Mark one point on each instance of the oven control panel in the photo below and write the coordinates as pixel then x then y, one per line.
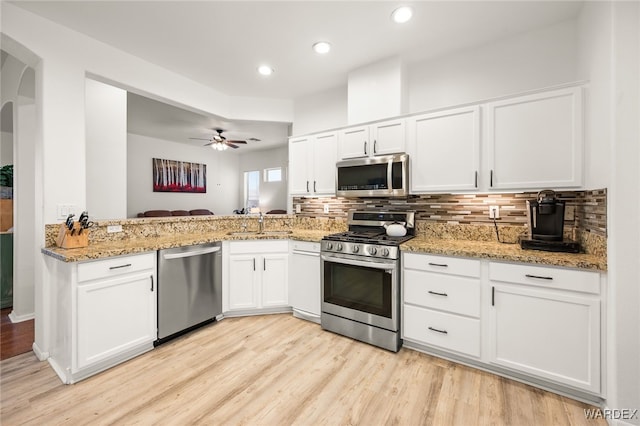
pixel 361 249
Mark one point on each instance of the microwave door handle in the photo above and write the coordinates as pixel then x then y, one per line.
pixel 352 262
pixel 390 176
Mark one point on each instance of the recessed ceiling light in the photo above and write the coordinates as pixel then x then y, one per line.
pixel 265 70
pixel 322 47
pixel 402 14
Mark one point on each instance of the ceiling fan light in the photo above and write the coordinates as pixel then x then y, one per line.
pixel 322 47
pixel 402 14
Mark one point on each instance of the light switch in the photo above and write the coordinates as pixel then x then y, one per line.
pixel 326 208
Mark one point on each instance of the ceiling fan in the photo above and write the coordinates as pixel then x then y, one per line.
pixel 220 143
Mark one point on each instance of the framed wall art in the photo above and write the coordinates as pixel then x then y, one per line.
pixel 179 176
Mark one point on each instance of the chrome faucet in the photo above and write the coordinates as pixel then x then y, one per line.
pixel 260 223
pixel 243 224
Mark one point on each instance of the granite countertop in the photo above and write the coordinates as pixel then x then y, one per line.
pixel 463 248
pixel 141 245
pixel 494 250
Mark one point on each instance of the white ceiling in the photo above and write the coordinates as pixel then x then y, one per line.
pixel 221 43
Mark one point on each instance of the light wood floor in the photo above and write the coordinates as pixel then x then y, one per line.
pixel 277 370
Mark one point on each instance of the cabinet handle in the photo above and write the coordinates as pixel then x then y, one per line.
pixel 438 331
pixel 375 142
pixel 442 265
pixel 264 264
pixel 314 186
pixel 254 263
pixel 493 296
pixel 121 266
pixel 538 277
pixel 365 147
pixel 438 294
pixel 307 186
pixel 491 178
pixel 151 276
pixel 476 181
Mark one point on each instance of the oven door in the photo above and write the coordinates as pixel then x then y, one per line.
pixel 361 290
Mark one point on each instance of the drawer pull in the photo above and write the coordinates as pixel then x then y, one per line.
pixel 538 277
pixel 121 266
pixel 442 265
pixel 438 294
pixel 438 331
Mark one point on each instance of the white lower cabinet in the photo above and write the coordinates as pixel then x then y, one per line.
pixel 104 313
pixel 533 321
pixel 257 277
pixel 542 326
pixel 441 301
pixel 304 280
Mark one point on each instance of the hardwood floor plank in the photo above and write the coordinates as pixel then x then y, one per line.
pixel 277 370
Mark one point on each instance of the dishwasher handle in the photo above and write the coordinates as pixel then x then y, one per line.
pixel 191 253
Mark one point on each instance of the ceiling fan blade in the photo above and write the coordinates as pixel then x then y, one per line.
pixel 237 141
pixel 231 145
pixel 254 139
pixel 201 139
pixel 209 144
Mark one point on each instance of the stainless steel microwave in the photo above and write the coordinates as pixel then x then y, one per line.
pixel 382 176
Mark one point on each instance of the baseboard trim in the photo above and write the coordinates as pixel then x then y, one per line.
pixel 20 318
pixel 41 355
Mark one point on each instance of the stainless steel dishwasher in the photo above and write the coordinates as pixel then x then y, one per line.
pixel 189 288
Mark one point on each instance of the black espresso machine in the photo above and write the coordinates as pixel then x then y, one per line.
pixel 546 225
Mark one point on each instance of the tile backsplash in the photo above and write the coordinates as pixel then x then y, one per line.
pixel 585 211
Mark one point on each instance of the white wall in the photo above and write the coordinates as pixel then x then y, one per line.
pixel 273 195
pixel 624 206
pixel 320 111
pixel 106 150
pixel 532 60
pixel 223 184
pixel 6 147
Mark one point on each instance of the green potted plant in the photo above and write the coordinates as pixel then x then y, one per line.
pixel 6 181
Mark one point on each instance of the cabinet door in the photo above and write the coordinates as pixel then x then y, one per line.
pixel 388 137
pixel 115 315
pixel 274 280
pixel 444 148
pixel 299 171
pixel 547 334
pixel 325 154
pixel 242 282
pixel 354 142
pixel 536 141
pixel 304 282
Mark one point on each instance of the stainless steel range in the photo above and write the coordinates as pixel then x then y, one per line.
pixel 361 278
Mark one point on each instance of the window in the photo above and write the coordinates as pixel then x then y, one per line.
pixel 252 189
pixel 273 175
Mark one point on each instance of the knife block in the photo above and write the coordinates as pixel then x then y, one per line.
pixel 67 241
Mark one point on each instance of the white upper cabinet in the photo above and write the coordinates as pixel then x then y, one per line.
pixel 312 164
pixel 535 141
pixel 444 150
pixel 385 137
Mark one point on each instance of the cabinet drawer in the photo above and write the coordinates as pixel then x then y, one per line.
pixel 442 264
pixel 447 331
pixel 115 266
pixel 254 246
pixel 443 292
pixel 305 246
pixel 562 279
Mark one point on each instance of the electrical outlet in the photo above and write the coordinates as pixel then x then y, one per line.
pixel 494 212
pixel 113 229
pixel 298 208
pixel 326 208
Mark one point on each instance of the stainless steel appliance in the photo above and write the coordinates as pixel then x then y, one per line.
pixel 546 224
pixel 360 276
pixel 381 176
pixel 189 288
